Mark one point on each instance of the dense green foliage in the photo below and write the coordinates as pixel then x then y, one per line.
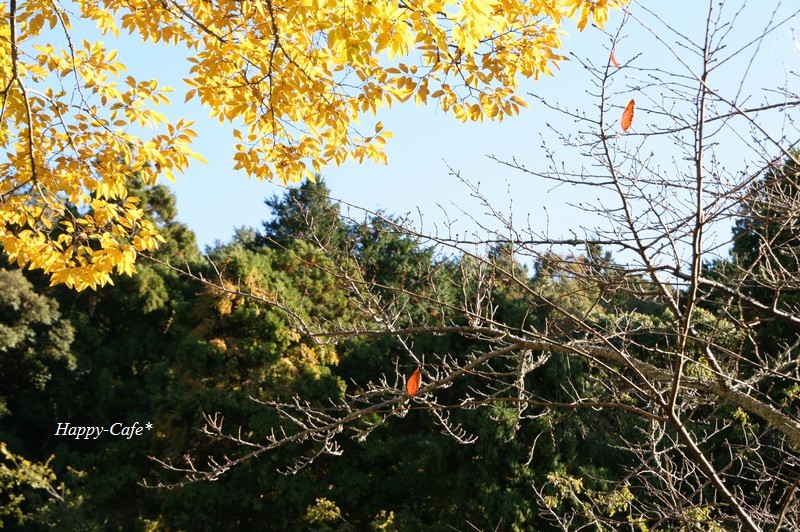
pixel 164 349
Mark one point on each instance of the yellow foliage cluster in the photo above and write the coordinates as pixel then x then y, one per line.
pixel 294 76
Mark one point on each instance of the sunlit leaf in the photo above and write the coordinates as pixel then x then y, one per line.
pixel 627 116
pixel 414 381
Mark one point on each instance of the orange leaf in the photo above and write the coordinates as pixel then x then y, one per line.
pixel 627 116
pixel 614 60
pixel 414 381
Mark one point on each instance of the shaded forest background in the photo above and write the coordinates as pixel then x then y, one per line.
pixel 161 348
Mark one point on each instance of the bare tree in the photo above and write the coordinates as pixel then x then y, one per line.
pixel 692 343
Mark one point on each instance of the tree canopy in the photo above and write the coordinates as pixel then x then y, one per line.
pixel 294 78
pixel 337 373
pixel 555 438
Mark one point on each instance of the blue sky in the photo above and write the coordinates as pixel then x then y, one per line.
pixel 213 199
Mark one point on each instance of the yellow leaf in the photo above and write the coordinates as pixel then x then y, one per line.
pixel 519 101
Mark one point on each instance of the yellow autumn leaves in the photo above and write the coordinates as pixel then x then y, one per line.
pixel 69 153
pixel 294 76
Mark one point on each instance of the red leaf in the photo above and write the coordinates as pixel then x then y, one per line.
pixel 614 60
pixel 627 116
pixel 412 386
